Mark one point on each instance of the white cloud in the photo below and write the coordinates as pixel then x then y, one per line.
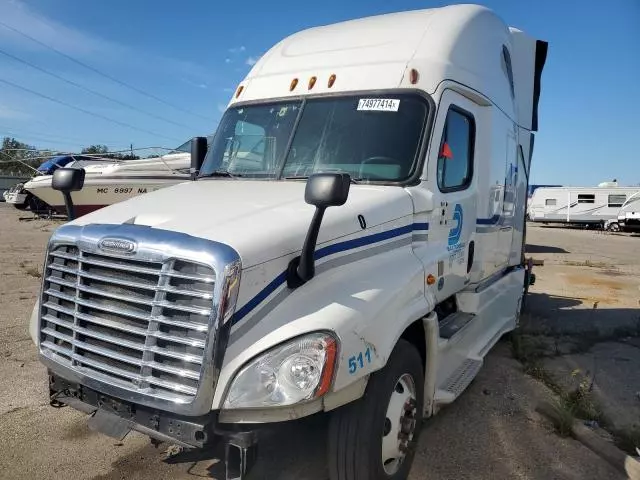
pixel 251 61
pixel 239 49
pixel 82 44
pixel 227 89
pixel 221 107
pixel 195 84
pixel 227 60
pixel 9 113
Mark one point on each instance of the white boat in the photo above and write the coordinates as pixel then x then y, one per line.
pixel 113 182
pixel 579 205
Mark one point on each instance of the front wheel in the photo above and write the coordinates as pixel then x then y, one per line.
pixel 375 438
pixel 613 227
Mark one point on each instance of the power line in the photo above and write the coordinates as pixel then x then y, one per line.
pixel 95 70
pixel 55 100
pixel 87 89
pixel 20 131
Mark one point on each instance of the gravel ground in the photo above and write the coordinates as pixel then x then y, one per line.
pixel 491 432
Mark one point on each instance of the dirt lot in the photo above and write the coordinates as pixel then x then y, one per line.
pixel 590 283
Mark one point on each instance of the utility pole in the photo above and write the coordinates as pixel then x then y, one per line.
pixel 132 149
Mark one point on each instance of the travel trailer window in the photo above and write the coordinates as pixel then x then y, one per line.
pixel 617 200
pixel 455 161
pixel 586 198
pixel 371 137
pixel 549 202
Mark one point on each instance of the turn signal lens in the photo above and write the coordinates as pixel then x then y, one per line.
pixel 293 84
pixel 239 91
pixel 431 279
pixel 332 80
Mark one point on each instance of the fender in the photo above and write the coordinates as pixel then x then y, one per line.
pixel 367 302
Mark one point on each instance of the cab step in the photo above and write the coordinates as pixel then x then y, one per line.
pixel 452 324
pixel 458 381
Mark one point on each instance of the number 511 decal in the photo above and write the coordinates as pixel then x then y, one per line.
pixel 358 361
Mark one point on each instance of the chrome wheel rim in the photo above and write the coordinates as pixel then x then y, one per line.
pixel 399 424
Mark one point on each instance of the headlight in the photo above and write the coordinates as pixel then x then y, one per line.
pixel 296 371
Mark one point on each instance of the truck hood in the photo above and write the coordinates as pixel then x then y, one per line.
pixel 261 220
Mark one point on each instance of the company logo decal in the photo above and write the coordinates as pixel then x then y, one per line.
pixel 117 245
pixel 456 231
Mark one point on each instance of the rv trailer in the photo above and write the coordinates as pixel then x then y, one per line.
pixel 629 215
pixel 587 206
pixel 362 261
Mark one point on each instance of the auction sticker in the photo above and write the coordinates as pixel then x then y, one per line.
pixel 379 104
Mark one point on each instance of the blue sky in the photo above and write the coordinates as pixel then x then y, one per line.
pixel 193 54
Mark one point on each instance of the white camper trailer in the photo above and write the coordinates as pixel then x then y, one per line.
pixel 361 261
pixel 628 217
pixel 579 205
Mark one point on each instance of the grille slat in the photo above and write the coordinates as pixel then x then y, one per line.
pixel 107 264
pixel 58 335
pixel 106 352
pixel 177 355
pixel 136 323
pixel 55 348
pixel 181 372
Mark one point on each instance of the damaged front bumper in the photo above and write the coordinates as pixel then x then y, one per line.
pixel 116 418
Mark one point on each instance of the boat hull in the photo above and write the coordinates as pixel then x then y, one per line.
pixel 100 193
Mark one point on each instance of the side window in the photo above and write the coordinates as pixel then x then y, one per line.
pixel 550 202
pixel 617 200
pixel 455 159
pixel 506 64
pixel 586 198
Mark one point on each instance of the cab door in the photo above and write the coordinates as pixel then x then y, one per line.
pixel 453 181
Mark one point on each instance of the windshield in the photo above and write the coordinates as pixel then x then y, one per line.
pixel 376 138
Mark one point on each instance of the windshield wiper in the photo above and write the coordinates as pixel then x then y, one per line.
pixel 220 173
pixel 306 177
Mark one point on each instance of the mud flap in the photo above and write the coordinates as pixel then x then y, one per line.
pixel 110 424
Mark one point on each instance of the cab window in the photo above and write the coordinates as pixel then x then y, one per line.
pixel 455 158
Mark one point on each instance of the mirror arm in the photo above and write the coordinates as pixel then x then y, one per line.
pixel 68 203
pixel 307 268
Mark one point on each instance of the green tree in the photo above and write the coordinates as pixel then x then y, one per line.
pixel 16 158
pixel 103 151
pixel 95 150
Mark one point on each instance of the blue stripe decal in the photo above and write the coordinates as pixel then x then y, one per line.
pixel 420 226
pixel 361 241
pixel 264 293
pixel 488 221
pixel 324 252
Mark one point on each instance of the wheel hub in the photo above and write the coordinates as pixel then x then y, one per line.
pixel 400 424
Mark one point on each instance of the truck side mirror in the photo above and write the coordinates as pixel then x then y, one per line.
pixel 198 152
pixel 67 180
pixel 327 189
pixel 323 190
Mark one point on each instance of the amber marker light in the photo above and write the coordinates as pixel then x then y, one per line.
pixel 312 82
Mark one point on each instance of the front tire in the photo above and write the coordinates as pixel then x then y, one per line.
pixel 375 437
pixel 613 227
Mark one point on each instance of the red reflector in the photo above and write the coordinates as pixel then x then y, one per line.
pixel 446 151
pixel 413 76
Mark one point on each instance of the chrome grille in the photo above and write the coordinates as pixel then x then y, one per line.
pixel 139 324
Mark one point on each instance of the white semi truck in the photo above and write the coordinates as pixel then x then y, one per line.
pixel 352 243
